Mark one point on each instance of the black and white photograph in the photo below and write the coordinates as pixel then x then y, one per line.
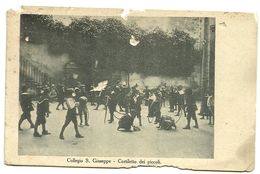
pixel 111 86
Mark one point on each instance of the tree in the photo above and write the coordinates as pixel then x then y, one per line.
pixel 106 41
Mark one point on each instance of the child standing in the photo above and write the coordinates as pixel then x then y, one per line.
pixel 191 109
pixel 42 112
pixel 71 115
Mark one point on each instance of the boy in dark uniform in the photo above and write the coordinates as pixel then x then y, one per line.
pixel 71 115
pixel 92 94
pixel 191 109
pixel 60 96
pixel 81 98
pixel 120 93
pixel 135 106
pixel 171 93
pixel 112 103
pixel 27 107
pixel 100 99
pixel 154 108
pixel 146 95
pixel 180 100
pixel 124 91
pixel 175 99
pixel 42 112
pixel 157 106
pixel 163 96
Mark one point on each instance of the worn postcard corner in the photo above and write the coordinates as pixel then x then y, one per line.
pixel 109 88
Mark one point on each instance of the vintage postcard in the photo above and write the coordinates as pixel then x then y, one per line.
pixel 104 88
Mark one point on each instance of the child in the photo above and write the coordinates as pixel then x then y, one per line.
pixel 42 112
pixel 83 109
pixel 71 115
pixel 191 109
pixel 210 105
pixel 27 107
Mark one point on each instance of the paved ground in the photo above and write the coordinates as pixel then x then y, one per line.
pixel 104 140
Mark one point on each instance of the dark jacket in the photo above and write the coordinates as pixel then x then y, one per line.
pixel 26 102
pixel 190 103
pixel 43 106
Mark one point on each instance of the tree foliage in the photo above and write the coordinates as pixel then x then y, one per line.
pixel 87 40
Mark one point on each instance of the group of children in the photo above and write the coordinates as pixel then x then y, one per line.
pixel 42 110
pixel 76 105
